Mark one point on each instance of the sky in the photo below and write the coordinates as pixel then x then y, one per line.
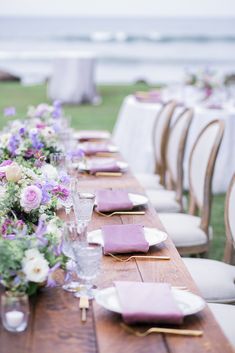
pixel 212 8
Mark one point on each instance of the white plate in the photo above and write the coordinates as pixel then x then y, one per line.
pixel 85 166
pixel 110 148
pixel 92 135
pixel 136 200
pixel 188 302
pixel 152 235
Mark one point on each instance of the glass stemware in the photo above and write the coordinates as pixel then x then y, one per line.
pixel 83 203
pixel 88 260
pixel 70 237
pixel 58 160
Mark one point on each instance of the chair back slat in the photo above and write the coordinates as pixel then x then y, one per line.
pixel 176 147
pixel 201 168
pixel 160 137
pixel 229 255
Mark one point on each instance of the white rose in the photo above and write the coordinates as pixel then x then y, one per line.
pixel 13 172
pixel 49 171
pixel 4 139
pixel 36 270
pixel 32 254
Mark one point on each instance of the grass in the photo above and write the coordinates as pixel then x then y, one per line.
pixel 101 117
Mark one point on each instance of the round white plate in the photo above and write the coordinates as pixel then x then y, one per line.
pixel 85 166
pixel 92 135
pixel 188 302
pixel 152 235
pixel 110 148
pixel 136 200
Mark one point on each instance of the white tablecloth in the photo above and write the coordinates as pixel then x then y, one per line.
pixel 133 134
pixel 73 80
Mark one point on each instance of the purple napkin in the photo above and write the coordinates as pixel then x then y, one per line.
pixel 113 200
pixel 124 238
pixel 214 106
pixel 148 302
pixel 103 166
pixel 92 148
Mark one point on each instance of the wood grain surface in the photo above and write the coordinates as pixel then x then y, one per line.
pixel 55 322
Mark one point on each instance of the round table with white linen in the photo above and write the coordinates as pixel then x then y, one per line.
pixel 134 129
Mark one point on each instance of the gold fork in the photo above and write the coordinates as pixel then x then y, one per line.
pixel 162 330
pixel 139 257
pixel 120 213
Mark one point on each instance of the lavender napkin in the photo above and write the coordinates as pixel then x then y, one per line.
pixel 148 302
pixel 92 148
pixel 124 238
pixel 103 166
pixel 113 200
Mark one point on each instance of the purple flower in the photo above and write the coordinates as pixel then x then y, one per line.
pixel 50 280
pixel 30 198
pixel 64 178
pixel 9 111
pixel 57 112
pixel 61 192
pixel 36 142
pixel 13 144
pixel 4 164
pixel 22 131
pixel 76 153
pixel 41 230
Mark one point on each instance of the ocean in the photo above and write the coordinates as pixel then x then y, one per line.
pixel 155 50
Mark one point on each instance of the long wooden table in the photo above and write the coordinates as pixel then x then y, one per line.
pixel 55 321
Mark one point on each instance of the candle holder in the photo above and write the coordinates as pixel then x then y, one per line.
pixel 14 311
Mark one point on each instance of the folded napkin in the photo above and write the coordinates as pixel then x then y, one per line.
pixel 148 302
pixel 92 148
pixel 113 200
pixel 124 238
pixel 103 166
pixel 214 106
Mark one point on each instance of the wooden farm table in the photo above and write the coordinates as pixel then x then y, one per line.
pixel 55 322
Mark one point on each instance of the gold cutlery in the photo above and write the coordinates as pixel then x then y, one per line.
pixel 84 305
pixel 120 213
pixel 140 257
pixel 104 154
pixel 162 330
pixel 111 174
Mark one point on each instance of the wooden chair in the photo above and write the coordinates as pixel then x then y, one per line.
pixel 172 200
pixel 216 279
pixel 191 233
pixel 160 137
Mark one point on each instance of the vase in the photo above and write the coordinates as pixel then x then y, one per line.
pixel 14 311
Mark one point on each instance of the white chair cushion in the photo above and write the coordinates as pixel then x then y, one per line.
pixel 184 229
pixel 149 180
pixel 215 279
pixel 225 316
pixel 163 200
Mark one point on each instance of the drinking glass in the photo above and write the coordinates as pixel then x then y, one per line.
pixel 58 160
pixel 14 312
pixel 88 260
pixel 83 203
pixel 70 237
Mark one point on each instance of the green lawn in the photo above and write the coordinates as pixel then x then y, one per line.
pixel 102 117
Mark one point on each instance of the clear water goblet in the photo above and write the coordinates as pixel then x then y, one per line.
pixel 88 260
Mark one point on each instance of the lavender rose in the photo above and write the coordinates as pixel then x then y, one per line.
pixel 30 198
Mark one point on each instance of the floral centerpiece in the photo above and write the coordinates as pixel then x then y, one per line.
pixel 30 231
pixel 29 261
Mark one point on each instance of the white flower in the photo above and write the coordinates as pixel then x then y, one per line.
pixel 32 254
pixel 48 132
pixel 2 192
pixel 49 171
pixel 13 172
pixel 36 270
pixel 4 139
pixel 54 229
